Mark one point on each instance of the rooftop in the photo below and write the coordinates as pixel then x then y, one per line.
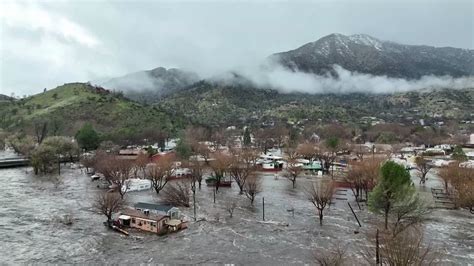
pixel 136 213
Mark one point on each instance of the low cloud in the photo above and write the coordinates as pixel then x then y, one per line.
pixel 287 81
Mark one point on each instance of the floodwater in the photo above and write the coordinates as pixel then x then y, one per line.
pixel 32 208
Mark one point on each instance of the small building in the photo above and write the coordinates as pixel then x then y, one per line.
pixel 130 154
pixel 145 221
pixel 161 209
pixel 166 154
pixel 155 218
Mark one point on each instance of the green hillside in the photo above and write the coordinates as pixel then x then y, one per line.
pixel 221 104
pixel 66 108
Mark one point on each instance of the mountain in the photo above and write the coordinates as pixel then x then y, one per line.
pixel 68 107
pixel 365 54
pixel 148 86
pixel 222 104
pixel 5 98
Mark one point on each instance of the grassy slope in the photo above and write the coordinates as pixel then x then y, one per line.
pixel 220 104
pixel 76 103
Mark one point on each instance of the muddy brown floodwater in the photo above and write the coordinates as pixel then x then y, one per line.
pixel 31 230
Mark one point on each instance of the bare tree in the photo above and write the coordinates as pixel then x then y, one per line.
pixel 201 149
pixel 160 172
pixel 177 194
pixel 265 139
pixel 333 257
pixel 462 183
pixel 406 248
pixel 253 186
pixel 423 167
pixel 107 204
pixel 363 176
pixel 197 171
pixel 88 161
pixel 293 170
pixel 230 207
pixel 320 195
pixel 220 165
pixel 41 130
pixel 308 151
pixel 360 150
pixel 196 177
pixel 140 164
pixel 243 166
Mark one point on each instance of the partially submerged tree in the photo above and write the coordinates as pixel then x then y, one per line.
pixel 108 203
pixel 320 195
pixel 160 172
pixel 197 170
pixel 116 171
pixel 48 155
pixel 177 194
pixel 41 130
pixel 423 167
pixel 21 144
pixel 230 206
pixel 220 166
pixel 461 180
pixel 333 144
pixel 243 165
pixel 43 159
pixel 3 139
pixel 253 186
pixel 407 212
pixel 362 176
pixel 335 256
pixel 393 186
pixel 406 248
pixel 293 170
pixel 88 161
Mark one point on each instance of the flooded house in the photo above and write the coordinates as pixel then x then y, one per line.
pixel 155 218
pixel 145 221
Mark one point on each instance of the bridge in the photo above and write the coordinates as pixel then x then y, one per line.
pixel 14 162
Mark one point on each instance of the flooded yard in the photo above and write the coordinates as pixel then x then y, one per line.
pixel 32 208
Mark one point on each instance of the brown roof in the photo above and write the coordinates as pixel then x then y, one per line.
pixel 139 214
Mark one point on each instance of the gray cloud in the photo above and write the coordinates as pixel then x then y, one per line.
pixel 286 81
pixel 45 44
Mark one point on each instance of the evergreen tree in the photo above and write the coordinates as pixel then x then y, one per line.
pixel 87 137
pixel 458 154
pixel 247 139
pixel 183 149
pixel 393 187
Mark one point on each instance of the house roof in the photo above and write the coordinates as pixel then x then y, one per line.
pixel 138 214
pixel 156 207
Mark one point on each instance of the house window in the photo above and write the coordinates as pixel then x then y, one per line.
pixel 133 220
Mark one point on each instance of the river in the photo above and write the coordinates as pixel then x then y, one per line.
pixel 31 230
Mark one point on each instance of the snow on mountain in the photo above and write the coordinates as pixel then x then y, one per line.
pixel 366 54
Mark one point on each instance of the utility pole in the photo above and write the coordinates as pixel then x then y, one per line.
pixel 263 207
pixel 194 201
pixel 377 253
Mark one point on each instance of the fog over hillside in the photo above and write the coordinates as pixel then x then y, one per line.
pixel 344 81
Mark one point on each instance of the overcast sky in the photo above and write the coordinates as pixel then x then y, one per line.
pixel 48 43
